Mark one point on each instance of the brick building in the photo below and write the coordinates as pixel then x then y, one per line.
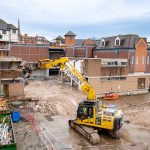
pixel 10 76
pixel 133 48
pixel 112 75
pixel 26 39
pixel 75 47
pixel 8 34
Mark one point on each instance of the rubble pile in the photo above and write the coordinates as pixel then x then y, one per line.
pixel 3 105
pixel 43 106
pixel 6 133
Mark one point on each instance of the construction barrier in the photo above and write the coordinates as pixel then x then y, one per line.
pixel 41 133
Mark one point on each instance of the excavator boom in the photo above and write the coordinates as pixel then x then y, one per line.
pixel 72 72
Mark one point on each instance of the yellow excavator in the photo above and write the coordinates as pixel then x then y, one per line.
pixel 92 115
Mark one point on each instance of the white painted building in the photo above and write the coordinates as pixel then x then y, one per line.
pixel 8 32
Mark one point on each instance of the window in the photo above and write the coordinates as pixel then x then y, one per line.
pixel 147 59
pixel 123 63
pixel 13 31
pixel 143 59
pixel 113 78
pixel 102 44
pixel 137 60
pixel 132 61
pixel 117 41
pixel 141 83
pixel 4 31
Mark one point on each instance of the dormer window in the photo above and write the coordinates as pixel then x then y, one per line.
pixel 102 44
pixel 117 41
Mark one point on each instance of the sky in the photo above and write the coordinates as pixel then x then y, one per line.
pixel 86 18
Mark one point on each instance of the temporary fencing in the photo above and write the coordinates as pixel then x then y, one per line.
pixel 45 141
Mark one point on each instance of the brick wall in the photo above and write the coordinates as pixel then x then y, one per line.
pixel 16 89
pixel 89 51
pixel 70 40
pixel 131 84
pixel 31 53
pixel 104 54
pixel 131 59
pixel 79 52
pixel 114 71
pixel 140 56
pixel 123 54
pixel 69 51
pixel 148 62
pixel 92 67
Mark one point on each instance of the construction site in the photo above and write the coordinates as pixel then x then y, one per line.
pixel 47 103
pixel 74 94
pixel 53 104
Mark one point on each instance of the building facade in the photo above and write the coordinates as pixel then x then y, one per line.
pixel 112 75
pixel 131 47
pixel 8 34
pixel 26 39
pixel 10 76
pixel 29 52
pixel 109 78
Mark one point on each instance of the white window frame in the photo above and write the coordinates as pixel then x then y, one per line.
pixel 143 59
pixel 102 41
pixel 117 39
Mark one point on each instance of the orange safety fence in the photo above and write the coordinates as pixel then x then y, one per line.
pixel 41 133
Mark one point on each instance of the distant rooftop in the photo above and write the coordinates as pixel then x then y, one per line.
pixel 126 41
pixel 70 33
pixel 6 26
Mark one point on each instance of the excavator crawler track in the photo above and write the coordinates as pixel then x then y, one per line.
pixel 88 132
pixel 114 134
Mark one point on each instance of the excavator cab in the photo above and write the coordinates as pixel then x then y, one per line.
pixel 97 115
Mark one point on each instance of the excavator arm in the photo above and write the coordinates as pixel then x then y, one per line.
pixel 72 72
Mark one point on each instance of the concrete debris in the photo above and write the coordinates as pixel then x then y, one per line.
pixel 3 105
pixel 6 136
pixel 126 121
pixel 43 106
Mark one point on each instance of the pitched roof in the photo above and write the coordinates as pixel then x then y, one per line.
pixel 6 26
pixel 3 25
pixel 89 42
pixel 126 41
pixel 79 42
pixel 11 26
pixel 59 38
pixel 70 33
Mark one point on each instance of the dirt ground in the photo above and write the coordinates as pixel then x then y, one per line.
pixel 58 103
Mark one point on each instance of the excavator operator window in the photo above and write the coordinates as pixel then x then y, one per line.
pixel 85 112
pixel 82 113
pixel 90 112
